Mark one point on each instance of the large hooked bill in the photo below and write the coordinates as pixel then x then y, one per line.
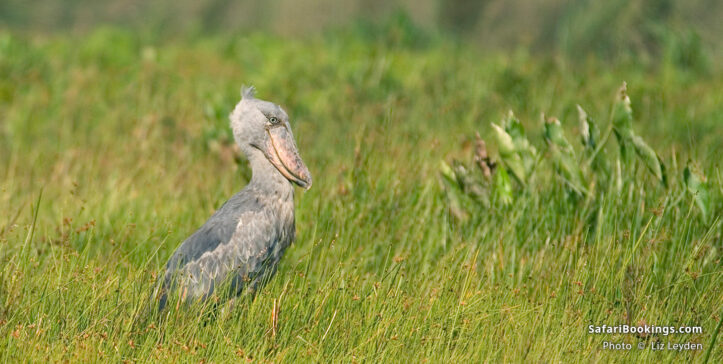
pixel 285 156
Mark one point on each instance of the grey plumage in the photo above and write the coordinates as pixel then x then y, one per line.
pixel 240 245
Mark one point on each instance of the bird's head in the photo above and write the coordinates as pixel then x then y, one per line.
pixel 262 126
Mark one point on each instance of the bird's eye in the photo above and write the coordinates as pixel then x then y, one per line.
pixel 273 120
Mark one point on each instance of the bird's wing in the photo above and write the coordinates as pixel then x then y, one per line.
pixel 222 250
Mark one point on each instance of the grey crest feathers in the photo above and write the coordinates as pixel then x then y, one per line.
pixel 248 92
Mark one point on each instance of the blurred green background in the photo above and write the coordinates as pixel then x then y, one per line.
pixel 646 29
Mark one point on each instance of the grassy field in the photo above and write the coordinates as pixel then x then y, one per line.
pixel 114 149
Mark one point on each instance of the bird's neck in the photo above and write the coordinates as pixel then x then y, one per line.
pixel 267 179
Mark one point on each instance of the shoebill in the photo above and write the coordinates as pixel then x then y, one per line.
pixel 240 245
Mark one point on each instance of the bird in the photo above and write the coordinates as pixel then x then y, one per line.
pixel 238 249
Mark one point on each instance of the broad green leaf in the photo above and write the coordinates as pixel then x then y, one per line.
pixel 649 158
pixel 504 141
pixel 623 127
pixel 623 122
pixel 563 157
pixel 513 127
pixel 698 187
pixel 623 111
pixel 452 191
pixel 509 155
pixel 588 130
pixel 459 181
pixel 590 138
pixel 470 185
pixel 527 152
pixel 555 135
pixel 447 172
pixel 515 150
pixel 618 177
pixel 503 188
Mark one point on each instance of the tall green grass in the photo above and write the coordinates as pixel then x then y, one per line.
pixel 114 149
